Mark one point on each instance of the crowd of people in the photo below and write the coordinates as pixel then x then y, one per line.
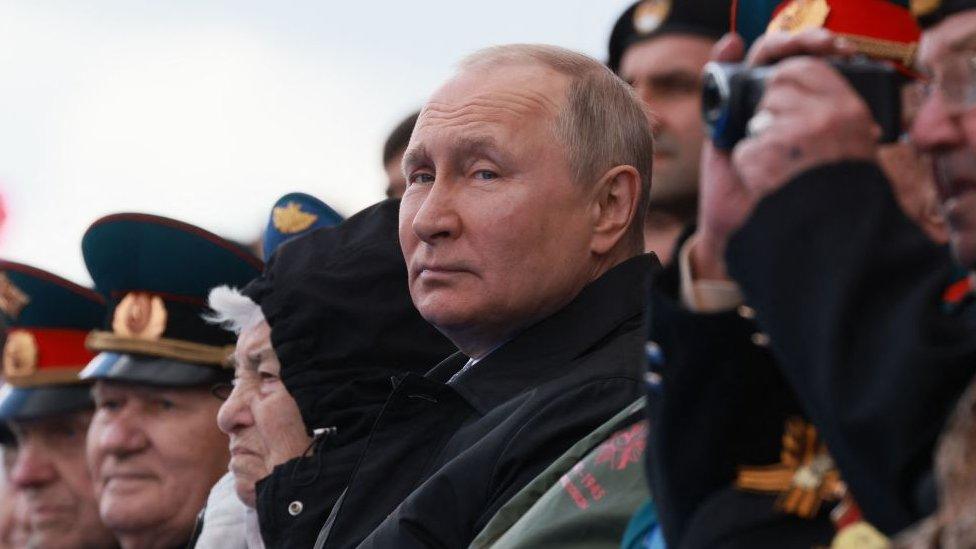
pixel 583 317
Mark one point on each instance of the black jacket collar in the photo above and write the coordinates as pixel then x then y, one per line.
pixel 541 352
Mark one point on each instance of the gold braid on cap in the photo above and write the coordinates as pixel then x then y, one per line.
pixel 885 49
pixel 175 349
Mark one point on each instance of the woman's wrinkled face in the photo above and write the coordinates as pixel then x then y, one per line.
pixel 260 416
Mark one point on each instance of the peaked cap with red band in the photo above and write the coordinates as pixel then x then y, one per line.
pixel 48 320
pixel 155 274
pixel 882 29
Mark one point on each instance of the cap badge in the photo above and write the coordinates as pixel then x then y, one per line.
pixel 140 316
pixel 19 355
pixel 921 8
pixel 290 219
pixel 650 14
pixel 800 15
pixel 12 299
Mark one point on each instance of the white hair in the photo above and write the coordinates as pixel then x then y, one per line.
pixel 232 310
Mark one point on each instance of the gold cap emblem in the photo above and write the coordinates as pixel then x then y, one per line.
pixel 140 316
pixel 12 299
pixel 290 218
pixel 921 8
pixel 19 355
pixel 650 14
pixel 800 15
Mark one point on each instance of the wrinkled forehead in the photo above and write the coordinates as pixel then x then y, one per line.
pixel 955 34
pixel 495 95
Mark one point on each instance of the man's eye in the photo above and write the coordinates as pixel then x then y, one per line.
pixel 266 376
pixel 108 404
pixel 485 175
pixel 164 404
pixel 423 178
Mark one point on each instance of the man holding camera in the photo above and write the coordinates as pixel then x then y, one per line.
pixel 859 305
pixel 809 118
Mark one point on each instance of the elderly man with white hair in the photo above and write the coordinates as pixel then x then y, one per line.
pixel 522 229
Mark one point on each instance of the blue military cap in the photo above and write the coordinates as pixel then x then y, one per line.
pixel 294 214
pixel 155 274
pixel 48 319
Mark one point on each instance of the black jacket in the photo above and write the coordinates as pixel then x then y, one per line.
pixel 442 458
pixel 719 402
pixel 849 291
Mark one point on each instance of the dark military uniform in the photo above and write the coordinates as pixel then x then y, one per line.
pixel 851 293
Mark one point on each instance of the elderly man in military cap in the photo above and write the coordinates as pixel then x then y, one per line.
pixel 153 446
pixel 47 407
pixel 879 341
pixel 659 47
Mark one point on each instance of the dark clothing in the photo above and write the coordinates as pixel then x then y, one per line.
pixel 342 324
pixel 315 482
pixel 442 458
pixel 721 403
pixel 849 291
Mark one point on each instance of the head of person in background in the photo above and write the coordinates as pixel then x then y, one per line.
pixel 393 149
pixel 943 113
pixel 660 47
pixel 153 447
pixel 528 175
pixel 46 406
pixel 292 215
pixel 320 334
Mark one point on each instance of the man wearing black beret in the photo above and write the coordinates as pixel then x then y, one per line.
pixel 659 47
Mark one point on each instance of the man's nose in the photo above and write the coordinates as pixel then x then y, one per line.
pixel 32 468
pixel 934 127
pixel 122 435
pixel 437 217
pixel 235 413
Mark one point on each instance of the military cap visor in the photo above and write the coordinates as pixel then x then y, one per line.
pixel 154 371
pixel 28 403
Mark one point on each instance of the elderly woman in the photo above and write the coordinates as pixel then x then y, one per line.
pixel 320 335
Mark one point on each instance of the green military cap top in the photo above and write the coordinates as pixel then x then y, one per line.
pixel 155 274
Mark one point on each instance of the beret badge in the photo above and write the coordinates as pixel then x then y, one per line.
pixel 800 15
pixel 650 14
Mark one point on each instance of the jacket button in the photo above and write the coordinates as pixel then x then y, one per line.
pixel 746 312
pixel 295 508
pixel 760 339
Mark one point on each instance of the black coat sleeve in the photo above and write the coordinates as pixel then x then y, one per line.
pixel 849 291
pixel 721 403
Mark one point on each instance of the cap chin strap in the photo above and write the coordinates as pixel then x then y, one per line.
pixel 176 349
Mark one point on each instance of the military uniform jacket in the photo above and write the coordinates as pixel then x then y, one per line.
pixel 443 457
pixel 849 291
pixel 716 401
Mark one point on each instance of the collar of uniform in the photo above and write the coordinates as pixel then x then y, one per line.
pixel 540 353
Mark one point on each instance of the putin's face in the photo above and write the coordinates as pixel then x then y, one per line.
pixel 154 453
pixel 495 231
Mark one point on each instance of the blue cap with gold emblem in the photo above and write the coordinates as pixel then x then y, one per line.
pixel 156 273
pixel 651 18
pixel 48 319
pixel 294 214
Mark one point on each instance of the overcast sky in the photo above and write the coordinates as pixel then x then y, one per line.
pixel 208 111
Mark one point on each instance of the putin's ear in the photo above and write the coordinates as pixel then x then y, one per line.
pixel 615 199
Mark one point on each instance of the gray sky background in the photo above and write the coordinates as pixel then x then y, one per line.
pixel 208 111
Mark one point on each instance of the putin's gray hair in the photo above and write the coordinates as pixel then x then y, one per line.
pixel 604 123
pixel 232 310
